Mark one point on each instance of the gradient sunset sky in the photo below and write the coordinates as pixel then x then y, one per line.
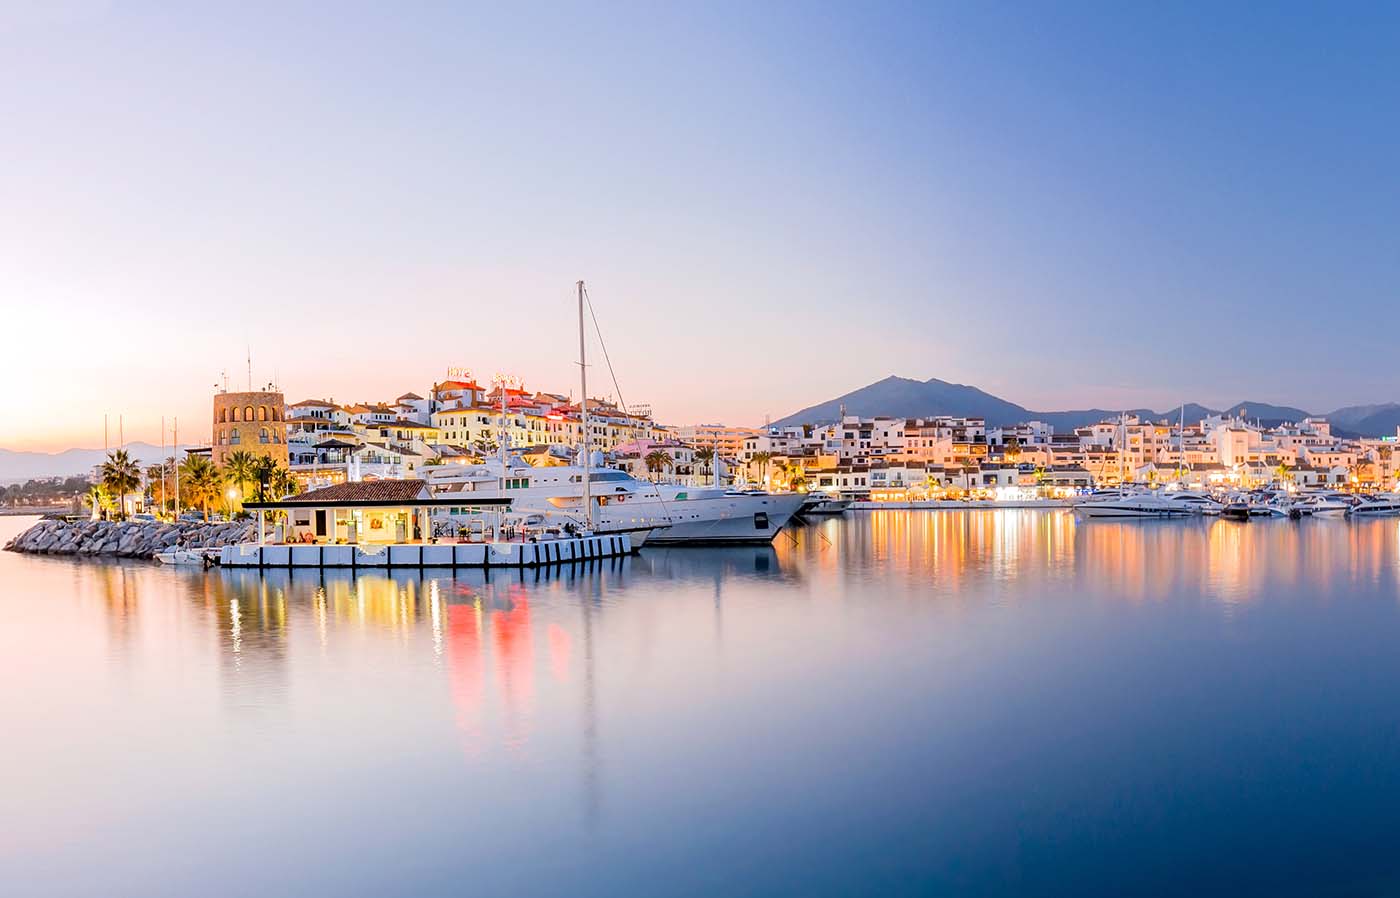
pixel 1064 204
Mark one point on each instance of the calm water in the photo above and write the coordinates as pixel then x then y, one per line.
pixel 987 703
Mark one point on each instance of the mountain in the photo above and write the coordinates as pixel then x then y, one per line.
pixel 1379 419
pixel 20 466
pixel 902 397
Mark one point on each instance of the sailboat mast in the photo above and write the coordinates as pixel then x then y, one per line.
pixel 583 414
pixel 175 457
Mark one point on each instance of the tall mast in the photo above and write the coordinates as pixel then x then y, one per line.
pixel 583 414
pixel 175 454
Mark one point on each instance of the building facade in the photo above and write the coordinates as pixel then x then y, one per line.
pixel 251 422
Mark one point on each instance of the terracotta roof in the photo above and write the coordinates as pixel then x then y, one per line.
pixel 409 396
pixel 368 491
pixel 313 403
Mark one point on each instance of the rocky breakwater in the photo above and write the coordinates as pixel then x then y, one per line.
pixel 126 539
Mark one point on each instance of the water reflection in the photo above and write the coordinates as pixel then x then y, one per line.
pixel 986 693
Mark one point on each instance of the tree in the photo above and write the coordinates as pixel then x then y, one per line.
pixel 1283 473
pixel 703 458
pixel 658 460
pixel 484 447
pixel 241 467
pixel 263 469
pixel 201 481
pixel 120 475
pixel 1012 450
pixel 1358 468
pixel 96 499
pixel 1384 453
pixel 762 459
pixel 282 483
pixel 158 486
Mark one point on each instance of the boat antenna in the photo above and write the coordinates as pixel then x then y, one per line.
pixel 583 412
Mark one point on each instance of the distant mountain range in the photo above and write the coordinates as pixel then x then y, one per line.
pixel 19 466
pixel 902 397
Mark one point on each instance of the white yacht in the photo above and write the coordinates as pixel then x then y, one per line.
pixel 1376 504
pixel 1321 503
pixel 620 502
pixel 647 512
pixel 1132 505
pixel 1196 502
pixel 713 514
pixel 824 503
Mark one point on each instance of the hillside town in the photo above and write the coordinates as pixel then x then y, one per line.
pixel 322 442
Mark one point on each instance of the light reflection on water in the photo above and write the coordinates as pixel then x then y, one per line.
pixel 1000 702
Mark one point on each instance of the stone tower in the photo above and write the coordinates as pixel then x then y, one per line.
pixel 253 422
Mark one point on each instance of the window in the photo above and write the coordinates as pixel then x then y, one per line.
pixel 235 437
pixel 262 435
pixel 248 413
pixel 262 413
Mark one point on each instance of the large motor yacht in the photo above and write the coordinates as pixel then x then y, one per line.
pixel 621 503
pixel 648 512
pixel 1132 505
pixel 713 514
pixel 1376 504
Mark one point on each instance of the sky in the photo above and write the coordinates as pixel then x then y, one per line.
pixel 1068 205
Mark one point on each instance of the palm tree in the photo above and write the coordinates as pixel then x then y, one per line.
pixel 484 446
pixel 1284 473
pixel 658 460
pixel 762 458
pixel 241 467
pixel 282 483
pixel 155 486
pixel 96 499
pixel 1384 453
pixel 1012 450
pixel 120 475
pixel 263 469
pixel 1358 467
pixel 797 478
pixel 202 481
pixel 703 458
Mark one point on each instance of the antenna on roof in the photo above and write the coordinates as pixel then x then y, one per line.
pixel 250 369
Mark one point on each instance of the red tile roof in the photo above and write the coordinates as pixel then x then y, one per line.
pixel 368 491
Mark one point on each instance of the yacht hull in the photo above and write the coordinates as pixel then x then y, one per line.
pixel 1131 512
pixel 727 520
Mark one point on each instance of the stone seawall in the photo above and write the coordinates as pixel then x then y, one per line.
pixel 126 539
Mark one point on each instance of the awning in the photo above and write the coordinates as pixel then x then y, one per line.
pixel 435 502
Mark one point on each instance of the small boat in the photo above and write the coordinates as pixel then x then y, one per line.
pixel 1326 502
pixel 186 557
pixel 1376 504
pixel 1236 511
pixel 823 503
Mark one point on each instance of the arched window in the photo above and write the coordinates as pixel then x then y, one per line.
pixel 235 437
pixel 276 413
pixel 262 435
pixel 223 416
pixel 262 413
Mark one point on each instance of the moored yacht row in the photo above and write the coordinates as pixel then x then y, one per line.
pixel 1143 502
